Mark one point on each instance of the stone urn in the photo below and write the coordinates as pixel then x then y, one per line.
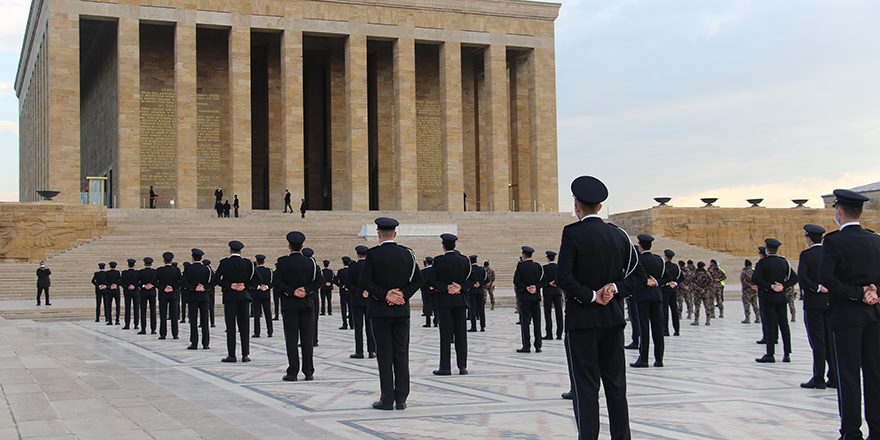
pixel 662 200
pixel 755 202
pixel 709 201
pixel 799 203
pixel 47 194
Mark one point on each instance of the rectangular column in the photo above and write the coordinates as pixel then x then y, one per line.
pixel 542 128
pixel 523 162
pixel 405 126
pixel 497 126
pixel 356 122
pixel 64 107
pixel 451 124
pixel 129 158
pixel 292 172
pixel 187 113
pixel 240 114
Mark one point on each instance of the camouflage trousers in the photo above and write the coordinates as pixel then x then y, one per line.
pixel 685 297
pixel 750 302
pixel 708 302
pixel 718 299
pixel 791 293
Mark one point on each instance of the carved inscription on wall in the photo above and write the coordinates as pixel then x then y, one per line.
pixel 429 148
pixel 209 141
pixel 158 142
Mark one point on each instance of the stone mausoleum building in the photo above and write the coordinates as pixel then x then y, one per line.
pixel 350 104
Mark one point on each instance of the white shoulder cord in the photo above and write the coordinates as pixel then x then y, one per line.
pixel 627 272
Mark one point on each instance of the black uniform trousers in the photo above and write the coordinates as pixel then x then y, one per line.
pixel 856 348
pixel 151 302
pixel 132 305
pixel 263 306
pixel 99 299
pixel 315 309
pixel 428 309
pixel 553 302
pixel 168 308
pixel 593 354
pixel 345 310
pixel 478 309
pixel 298 327
pixel 111 295
pixel 198 317
pixel 633 319
pixel 776 319
pixel 327 296
pixel 530 312
pixel 236 311
pixel 670 309
pixel 453 322
pixel 650 315
pixel 820 341
pixel 40 290
pixel 213 297
pixel 182 309
pixel 359 314
pixel 277 299
pixel 392 354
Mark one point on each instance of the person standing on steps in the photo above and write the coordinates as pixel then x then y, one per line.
pixel 152 198
pixel 43 282
pixel 218 195
pixel 287 202
pixel 235 205
pixel 302 208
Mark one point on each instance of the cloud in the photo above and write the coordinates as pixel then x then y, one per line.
pixel 13 20
pixel 8 196
pixel 9 126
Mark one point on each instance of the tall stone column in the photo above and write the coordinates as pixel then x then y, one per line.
pixel 128 167
pixel 64 108
pixel 405 110
pixel 451 124
pixel 187 113
pixel 542 127
pixel 497 126
pixel 292 171
pixel 240 114
pixel 356 122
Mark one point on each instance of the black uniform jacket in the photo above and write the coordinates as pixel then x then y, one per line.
pixel 234 269
pixel 99 278
pixel 146 276
pixel 478 276
pixel 129 278
pixel 112 276
pixel 808 278
pixel 592 254
pixel 387 267
pixel 673 273
pixel 43 277
pixel 773 269
pixel 449 268
pixel 353 284
pixel 195 274
pixel 340 280
pixel 292 272
pixel 550 275
pixel 654 267
pixel 850 260
pixel 528 273
pixel 328 278
pixel 426 288
pixel 267 278
pixel 168 275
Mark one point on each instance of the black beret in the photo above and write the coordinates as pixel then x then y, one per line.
pixel 669 253
pixel 814 229
pixel 847 197
pixel 385 223
pixel 235 245
pixel 527 250
pixel 112 264
pixel 206 262
pixel 167 256
pixel 361 249
pixel 448 237
pixel 148 260
pixel 326 262
pixel 589 190
pixel 131 261
pixel 772 242
pixel 550 253
pixel 295 237
pixel 260 257
pixel 701 265
pixel 645 238
pixel 101 265
pixel 429 259
pixel 308 252
pixel 346 260
pixel 197 252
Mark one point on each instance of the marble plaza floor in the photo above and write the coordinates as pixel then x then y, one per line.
pixel 88 380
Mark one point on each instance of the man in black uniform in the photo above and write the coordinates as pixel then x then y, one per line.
pixel 773 275
pixel 669 288
pixel 99 279
pixel 358 306
pixel 287 202
pixel 528 279
pixel 212 293
pixel 235 205
pixel 183 300
pixel 218 195
pixel 815 307
pixel 129 285
pixel 302 208
pixel 344 295
pixel 390 275
pixel 152 198
pixel 477 295
pixel 850 270
pixel 43 282
pixel 263 297
pixel 649 301
pixel 449 273
pixel 112 293
pixel 327 289
pixel 197 278
pixel 147 294
pixel 235 275
pixel 298 278
pixel 315 300
pixel 552 298
pixel 428 295
pixel 168 284
pixel 597 268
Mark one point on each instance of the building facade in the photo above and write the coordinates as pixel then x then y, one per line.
pixel 349 104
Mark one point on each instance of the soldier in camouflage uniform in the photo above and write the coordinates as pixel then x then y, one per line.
pixel 791 294
pixel 701 288
pixel 718 276
pixel 681 291
pixel 688 288
pixel 750 294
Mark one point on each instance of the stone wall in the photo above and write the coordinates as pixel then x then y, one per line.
pixel 32 231
pixel 735 231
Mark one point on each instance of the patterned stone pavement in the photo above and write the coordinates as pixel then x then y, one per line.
pixel 85 380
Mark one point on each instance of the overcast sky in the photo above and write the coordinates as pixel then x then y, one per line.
pixel 683 99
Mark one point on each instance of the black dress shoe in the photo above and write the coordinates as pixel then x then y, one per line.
pixel 559 337
pixel 193 347
pixel 372 355
pixel 289 378
pixel 229 359
pixel 523 350
pixel 245 359
pixel 356 355
pixel 442 372
pixel 568 395
pixel 639 365
pixel 161 337
pixel 269 335
pixel 462 371
pixel 812 384
pixel 472 330
pixel 665 333
pixel 483 329
pixel 379 405
pixel 97 320
pixel 117 322
pixel 109 322
pixel 206 348
pixel 153 332
pixel 310 377
pixel 831 384
pixel 426 325
pixel 400 405
pixel 255 336
pixel 142 332
pixel 761 342
pixel 658 364
pixel 675 334
pixel 633 346
pixel 538 349
pixel 785 358
pixel 176 337
pixel 767 359
pixel 547 338
pixel 344 327
pixel 126 328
